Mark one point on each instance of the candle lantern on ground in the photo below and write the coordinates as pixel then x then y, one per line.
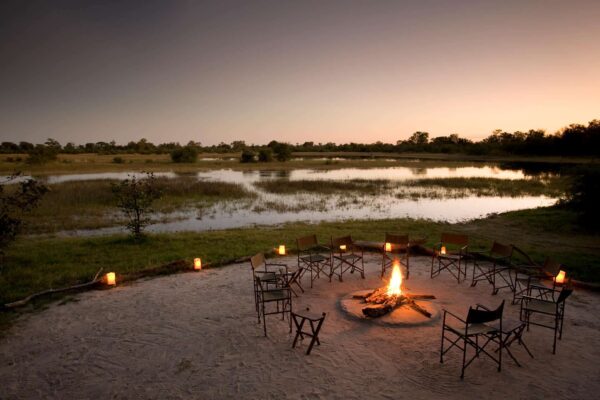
pixel 443 250
pixel 197 264
pixel 281 250
pixel 388 247
pixel 342 247
pixel 111 279
pixel 560 278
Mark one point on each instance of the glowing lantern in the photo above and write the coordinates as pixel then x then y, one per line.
pixel 342 247
pixel 111 279
pixel 197 264
pixel 560 278
pixel 443 250
pixel 281 250
pixel 388 247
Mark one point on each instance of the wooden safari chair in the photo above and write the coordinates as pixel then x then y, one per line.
pixel 269 274
pixel 281 297
pixel 494 266
pixel 451 254
pixel 346 256
pixel 395 247
pixel 481 328
pixel 313 257
pixel 547 312
pixel 532 275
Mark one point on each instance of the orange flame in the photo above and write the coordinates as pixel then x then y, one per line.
pixel 395 285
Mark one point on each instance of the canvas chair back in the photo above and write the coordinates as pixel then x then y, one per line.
pixel 396 239
pixel 257 261
pixel 476 316
pixel 306 242
pixel 564 294
pixel 501 250
pixel 337 242
pixel 551 267
pixel 456 239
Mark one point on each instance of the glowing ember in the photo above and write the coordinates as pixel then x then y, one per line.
pixel 395 286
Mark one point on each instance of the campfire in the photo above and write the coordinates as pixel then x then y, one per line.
pixel 385 299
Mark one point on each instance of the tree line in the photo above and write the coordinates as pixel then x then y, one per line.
pixel 573 140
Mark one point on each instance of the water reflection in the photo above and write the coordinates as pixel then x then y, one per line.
pixel 268 208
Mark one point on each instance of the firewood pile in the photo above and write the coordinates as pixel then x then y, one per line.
pixel 380 303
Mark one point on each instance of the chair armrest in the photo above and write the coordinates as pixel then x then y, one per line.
pixel 455 316
pixel 527 298
pixel 478 306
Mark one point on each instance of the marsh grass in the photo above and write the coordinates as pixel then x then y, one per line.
pixel 362 186
pixel 422 188
pixel 552 187
pixel 91 204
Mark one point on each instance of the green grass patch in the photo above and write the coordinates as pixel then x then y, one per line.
pixel 35 264
pixel 91 204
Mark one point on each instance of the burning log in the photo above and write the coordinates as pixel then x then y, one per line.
pixel 382 304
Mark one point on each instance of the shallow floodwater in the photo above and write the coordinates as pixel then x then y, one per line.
pixel 269 208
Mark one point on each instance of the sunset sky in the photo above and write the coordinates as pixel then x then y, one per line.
pixel 295 71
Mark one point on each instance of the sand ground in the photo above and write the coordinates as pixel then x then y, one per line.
pixel 195 335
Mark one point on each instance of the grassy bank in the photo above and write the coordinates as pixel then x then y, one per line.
pixel 89 163
pixel 91 204
pixel 32 265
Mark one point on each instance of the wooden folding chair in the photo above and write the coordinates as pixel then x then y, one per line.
pixel 395 247
pixel 553 310
pixel 315 322
pixel 313 257
pixel 476 332
pixel 281 297
pixel 451 254
pixel 494 267
pixel 346 256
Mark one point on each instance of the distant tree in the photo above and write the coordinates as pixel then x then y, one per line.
pixel 186 154
pixel 282 151
pixel 9 147
pixel 16 199
pixel 419 138
pixel 247 156
pixel 584 196
pixel 53 144
pixel 265 155
pixel 135 197
pixel 41 154
pixel 25 146
pixel 238 145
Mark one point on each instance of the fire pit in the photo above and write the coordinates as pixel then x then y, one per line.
pixel 392 304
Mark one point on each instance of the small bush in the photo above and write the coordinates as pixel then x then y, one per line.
pixel 118 160
pixel 41 154
pixel 247 156
pixel 265 155
pixel 187 154
pixel 283 151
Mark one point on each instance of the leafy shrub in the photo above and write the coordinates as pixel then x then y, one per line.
pixel 265 155
pixel 186 154
pixel 135 197
pixel 41 154
pixel 118 160
pixel 247 156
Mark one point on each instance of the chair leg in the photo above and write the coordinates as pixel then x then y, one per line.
pixel 462 372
